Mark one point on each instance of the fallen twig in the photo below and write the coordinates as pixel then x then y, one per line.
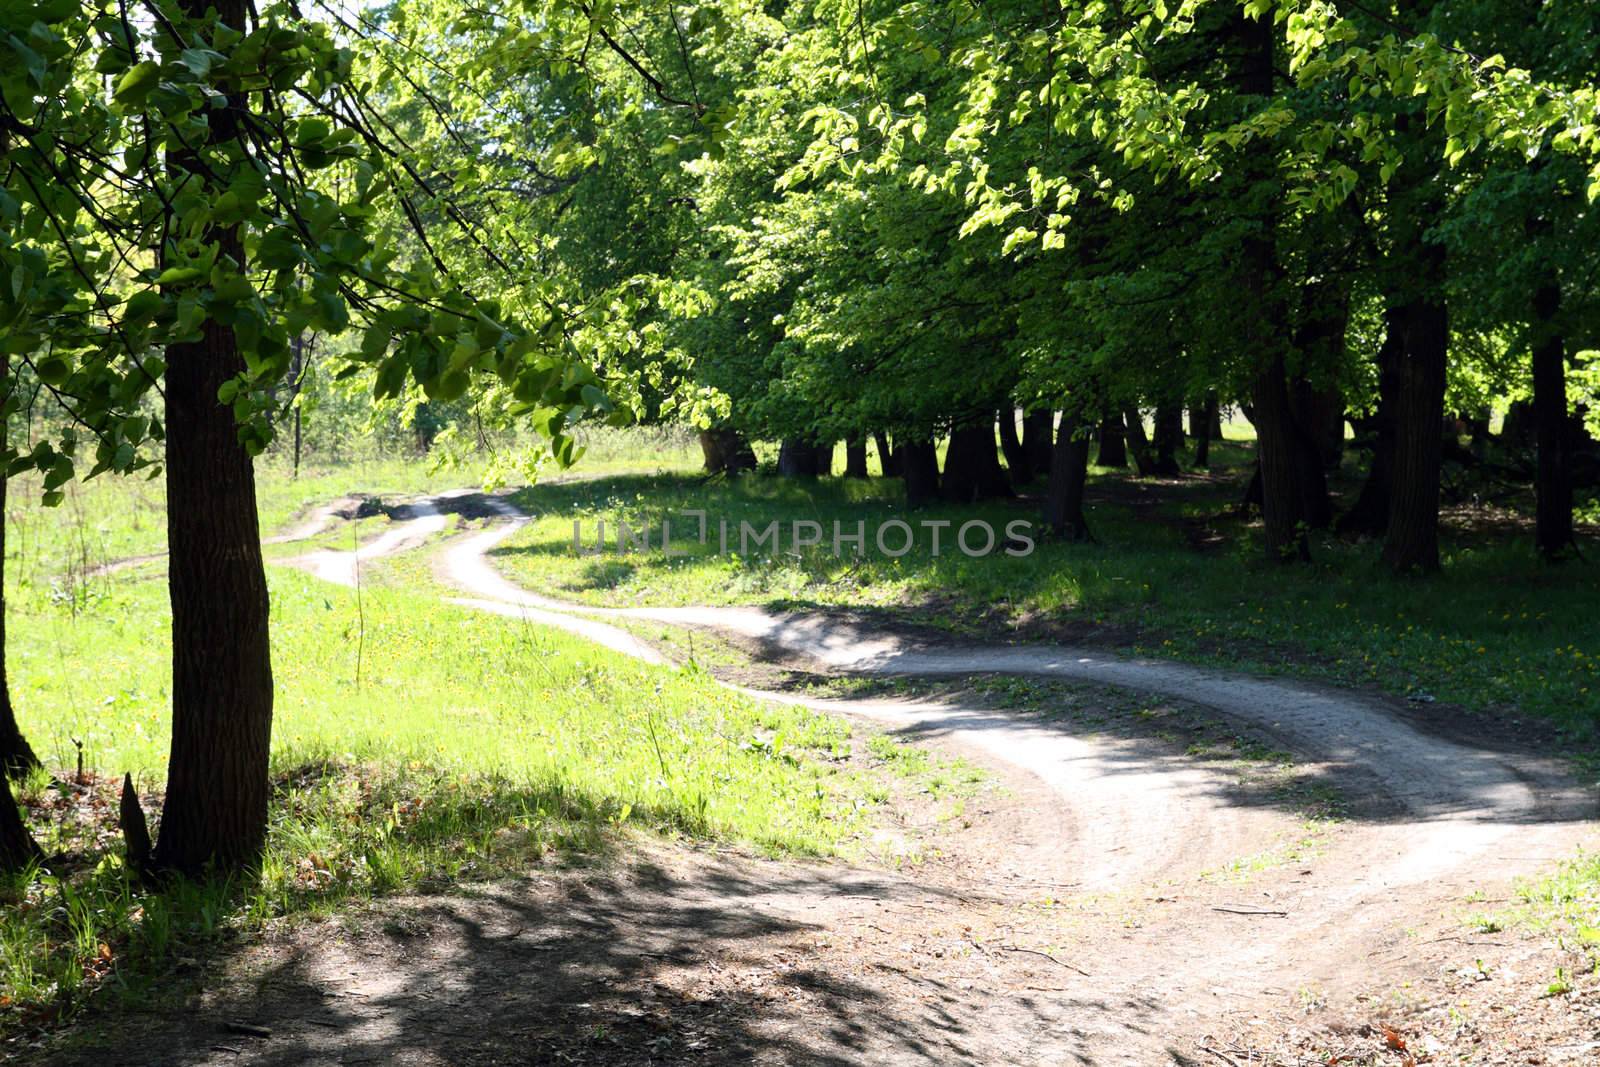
pixel 1251 911
pixel 1046 955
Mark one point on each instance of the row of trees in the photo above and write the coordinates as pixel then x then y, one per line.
pixel 876 216
pixel 806 220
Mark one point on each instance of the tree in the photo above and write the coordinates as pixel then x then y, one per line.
pixel 169 240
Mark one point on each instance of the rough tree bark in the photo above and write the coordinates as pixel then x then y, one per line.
pixel 726 451
pixel 1168 438
pixel 972 464
pixel 919 467
pixel 1113 450
pixel 1412 540
pixel 799 458
pixel 1038 428
pixel 1553 480
pixel 1279 463
pixel 1069 468
pixel 215 815
pixel 855 457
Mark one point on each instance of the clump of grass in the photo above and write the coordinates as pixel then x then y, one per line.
pixel 1564 902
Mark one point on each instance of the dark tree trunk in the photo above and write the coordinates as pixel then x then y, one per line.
pixel 1412 542
pixel 1519 429
pixel 215 814
pixel 1264 330
pixel 1018 463
pixel 1069 468
pixel 888 459
pixel 1316 507
pixel 825 450
pixel 1138 443
pixel 1369 515
pixel 1038 429
pixel 855 457
pixel 1320 414
pixel 919 466
pixel 1280 463
pixel 16 755
pixel 1417 267
pixel 17 847
pixel 726 451
pixel 1200 429
pixel 1168 438
pixel 972 464
pixel 1113 451
pixel 1553 481
pixel 216 803
pixel 798 458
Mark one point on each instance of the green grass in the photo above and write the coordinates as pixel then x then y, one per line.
pixel 1496 630
pixel 110 518
pixel 415 743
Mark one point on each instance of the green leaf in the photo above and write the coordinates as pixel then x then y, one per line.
pixel 137 83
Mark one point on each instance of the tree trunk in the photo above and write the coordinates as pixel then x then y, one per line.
pixel 855 457
pixel 726 451
pixel 1200 429
pixel 798 458
pixel 1553 481
pixel 17 847
pixel 1369 515
pixel 16 755
pixel 1069 467
pixel 1038 439
pixel 1264 327
pixel 1018 463
pixel 972 464
pixel 1168 439
pixel 919 466
pixel 1113 451
pixel 1413 533
pixel 215 815
pixel 1280 463
pixel 1138 443
pixel 888 459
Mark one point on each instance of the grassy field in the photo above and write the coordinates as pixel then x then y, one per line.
pixel 113 518
pixel 415 744
pixel 1173 573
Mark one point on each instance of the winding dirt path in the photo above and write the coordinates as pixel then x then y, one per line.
pixel 1139 829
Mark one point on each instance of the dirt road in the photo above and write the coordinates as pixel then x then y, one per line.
pixel 1128 904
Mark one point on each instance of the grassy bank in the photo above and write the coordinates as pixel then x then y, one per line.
pixel 414 744
pixel 1174 572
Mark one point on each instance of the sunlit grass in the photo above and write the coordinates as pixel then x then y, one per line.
pixel 415 743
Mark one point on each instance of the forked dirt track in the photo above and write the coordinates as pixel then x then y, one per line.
pixel 1139 954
